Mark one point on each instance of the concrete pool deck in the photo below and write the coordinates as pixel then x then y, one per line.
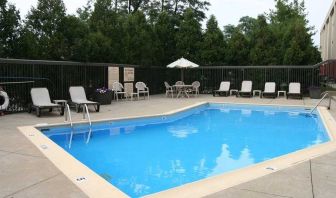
pixel 25 172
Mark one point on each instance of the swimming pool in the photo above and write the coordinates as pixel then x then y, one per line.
pixel 144 156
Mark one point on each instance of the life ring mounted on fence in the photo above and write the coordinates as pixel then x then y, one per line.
pixel 5 100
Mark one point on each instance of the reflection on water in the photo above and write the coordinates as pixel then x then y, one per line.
pixel 182 130
pixel 114 131
pixel 246 112
pixel 225 162
pixel 129 129
pixel 269 113
pixel 294 113
pixel 147 158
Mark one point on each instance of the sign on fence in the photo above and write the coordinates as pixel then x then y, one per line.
pixel 128 74
pixel 113 76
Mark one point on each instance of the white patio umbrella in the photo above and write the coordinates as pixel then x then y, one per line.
pixel 182 63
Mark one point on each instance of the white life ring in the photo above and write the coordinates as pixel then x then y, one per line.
pixel 6 99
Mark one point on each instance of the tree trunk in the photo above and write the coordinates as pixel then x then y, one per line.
pixel 129 6
pixel 136 5
pixel 162 5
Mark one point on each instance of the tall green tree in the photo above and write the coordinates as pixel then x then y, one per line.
pixel 247 25
pixel 84 13
pixel 137 43
pixel 165 31
pixel 9 29
pixel 213 45
pixel 46 22
pixel 237 51
pixel 75 31
pixel 262 42
pixel 155 32
pixel 189 36
pixel 105 20
pixel 290 25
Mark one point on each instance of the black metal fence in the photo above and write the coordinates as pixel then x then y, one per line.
pixel 17 77
pixel 210 77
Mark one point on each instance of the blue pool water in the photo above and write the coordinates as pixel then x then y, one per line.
pixel 144 156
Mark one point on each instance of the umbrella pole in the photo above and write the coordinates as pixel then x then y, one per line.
pixel 182 75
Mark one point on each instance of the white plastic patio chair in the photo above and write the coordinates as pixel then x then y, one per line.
pixel 195 87
pixel 142 89
pixel 118 89
pixel 78 97
pixel 169 89
pixel 177 89
pixel 269 90
pixel 179 83
pixel 224 87
pixel 294 90
pixel 41 100
pixel 246 89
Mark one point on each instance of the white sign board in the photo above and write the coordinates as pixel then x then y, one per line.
pixel 113 76
pixel 128 74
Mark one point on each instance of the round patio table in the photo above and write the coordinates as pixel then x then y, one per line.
pixel 182 90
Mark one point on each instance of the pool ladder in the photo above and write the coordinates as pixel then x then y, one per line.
pixel 86 114
pixel 324 95
pixel 67 115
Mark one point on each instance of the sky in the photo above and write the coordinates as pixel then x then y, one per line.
pixel 226 11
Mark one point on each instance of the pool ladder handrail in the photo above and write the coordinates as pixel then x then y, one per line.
pixel 68 115
pixel 324 95
pixel 86 112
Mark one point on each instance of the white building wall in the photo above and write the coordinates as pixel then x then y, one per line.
pixel 328 35
pixel 333 34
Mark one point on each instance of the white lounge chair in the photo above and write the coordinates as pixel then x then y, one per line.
pixel 269 90
pixel 78 97
pixel 246 89
pixel 294 90
pixel 169 89
pixel 118 89
pixel 223 88
pixel 142 89
pixel 41 100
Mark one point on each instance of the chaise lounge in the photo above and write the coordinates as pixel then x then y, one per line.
pixel 246 89
pixel 78 97
pixel 224 88
pixel 41 100
pixel 294 91
pixel 269 90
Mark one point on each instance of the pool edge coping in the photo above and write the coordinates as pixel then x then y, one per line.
pixel 95 186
